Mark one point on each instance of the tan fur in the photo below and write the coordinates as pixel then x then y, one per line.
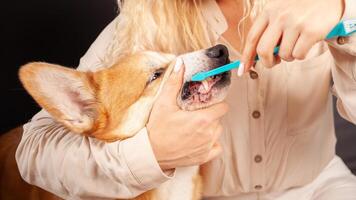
pixel 28 75
pixel 150 195
pixel 111 104
pixel 12 187
pixel 110 99
pixel 198 187
pixel 131 91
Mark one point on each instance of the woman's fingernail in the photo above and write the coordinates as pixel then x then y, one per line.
pixel 178 65
pixel 241 69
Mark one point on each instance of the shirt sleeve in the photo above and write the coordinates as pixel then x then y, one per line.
pixel 74 166
pixel 343 50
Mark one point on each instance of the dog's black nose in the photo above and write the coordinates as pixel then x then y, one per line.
pixel 219 51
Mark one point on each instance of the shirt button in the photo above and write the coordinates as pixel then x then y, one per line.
pixel 256 114
pixel 253 75
pixel 258 159
pixel 258 187
pixel 341 40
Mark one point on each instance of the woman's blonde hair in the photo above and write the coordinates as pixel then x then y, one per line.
pixel 170 26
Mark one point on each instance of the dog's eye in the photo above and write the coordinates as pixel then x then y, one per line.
pixel 156 75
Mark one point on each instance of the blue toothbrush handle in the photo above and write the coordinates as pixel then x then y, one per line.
pixel 203 75
pixel 343 28
pixel 226 68
pixel 233 65
pixel 339 30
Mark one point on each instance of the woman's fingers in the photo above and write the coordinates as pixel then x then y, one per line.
pixel 218 131
pixel 214 152
pixel 303 45
pixel 252 40
pixel 171 89
pixel 289 39
pixel 298 24
pixel 174 83
pixel 269 40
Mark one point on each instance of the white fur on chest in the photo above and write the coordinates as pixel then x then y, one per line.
pixel 181 187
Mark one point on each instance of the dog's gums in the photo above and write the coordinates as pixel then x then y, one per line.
pixel 195 94
pixel 202 92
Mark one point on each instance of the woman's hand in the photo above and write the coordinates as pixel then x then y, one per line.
pixel 294 24
pixel 183 138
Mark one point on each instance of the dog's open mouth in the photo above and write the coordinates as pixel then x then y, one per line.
pixel 197 95
pixel 203 92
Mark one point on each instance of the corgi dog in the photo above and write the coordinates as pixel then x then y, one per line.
pixel 114 103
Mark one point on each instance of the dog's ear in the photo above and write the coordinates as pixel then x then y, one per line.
pixel 68 95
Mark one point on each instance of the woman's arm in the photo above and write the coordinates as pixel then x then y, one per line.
pixel 69 164
pixel 72 165
pixel 344 70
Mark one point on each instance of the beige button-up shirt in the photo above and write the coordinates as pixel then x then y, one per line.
pixel 279 132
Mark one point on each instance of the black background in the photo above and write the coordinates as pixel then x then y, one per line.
pixel 40 30
pixel 60 32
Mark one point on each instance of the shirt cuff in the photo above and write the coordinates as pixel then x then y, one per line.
pixel 141 161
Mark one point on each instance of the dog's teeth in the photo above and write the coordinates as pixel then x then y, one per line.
pixel 205 85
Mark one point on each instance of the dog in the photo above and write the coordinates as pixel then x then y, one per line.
pixel 114 103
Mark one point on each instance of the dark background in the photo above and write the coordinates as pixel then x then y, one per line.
pixel 42 30
pixel 60 32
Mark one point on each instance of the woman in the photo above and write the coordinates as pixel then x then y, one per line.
pixel 277 139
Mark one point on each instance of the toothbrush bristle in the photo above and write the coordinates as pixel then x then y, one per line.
pixel 350 26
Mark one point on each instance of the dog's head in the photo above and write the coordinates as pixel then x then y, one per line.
pixel 114 103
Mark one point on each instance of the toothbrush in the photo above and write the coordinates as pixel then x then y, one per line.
pixel 343 28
